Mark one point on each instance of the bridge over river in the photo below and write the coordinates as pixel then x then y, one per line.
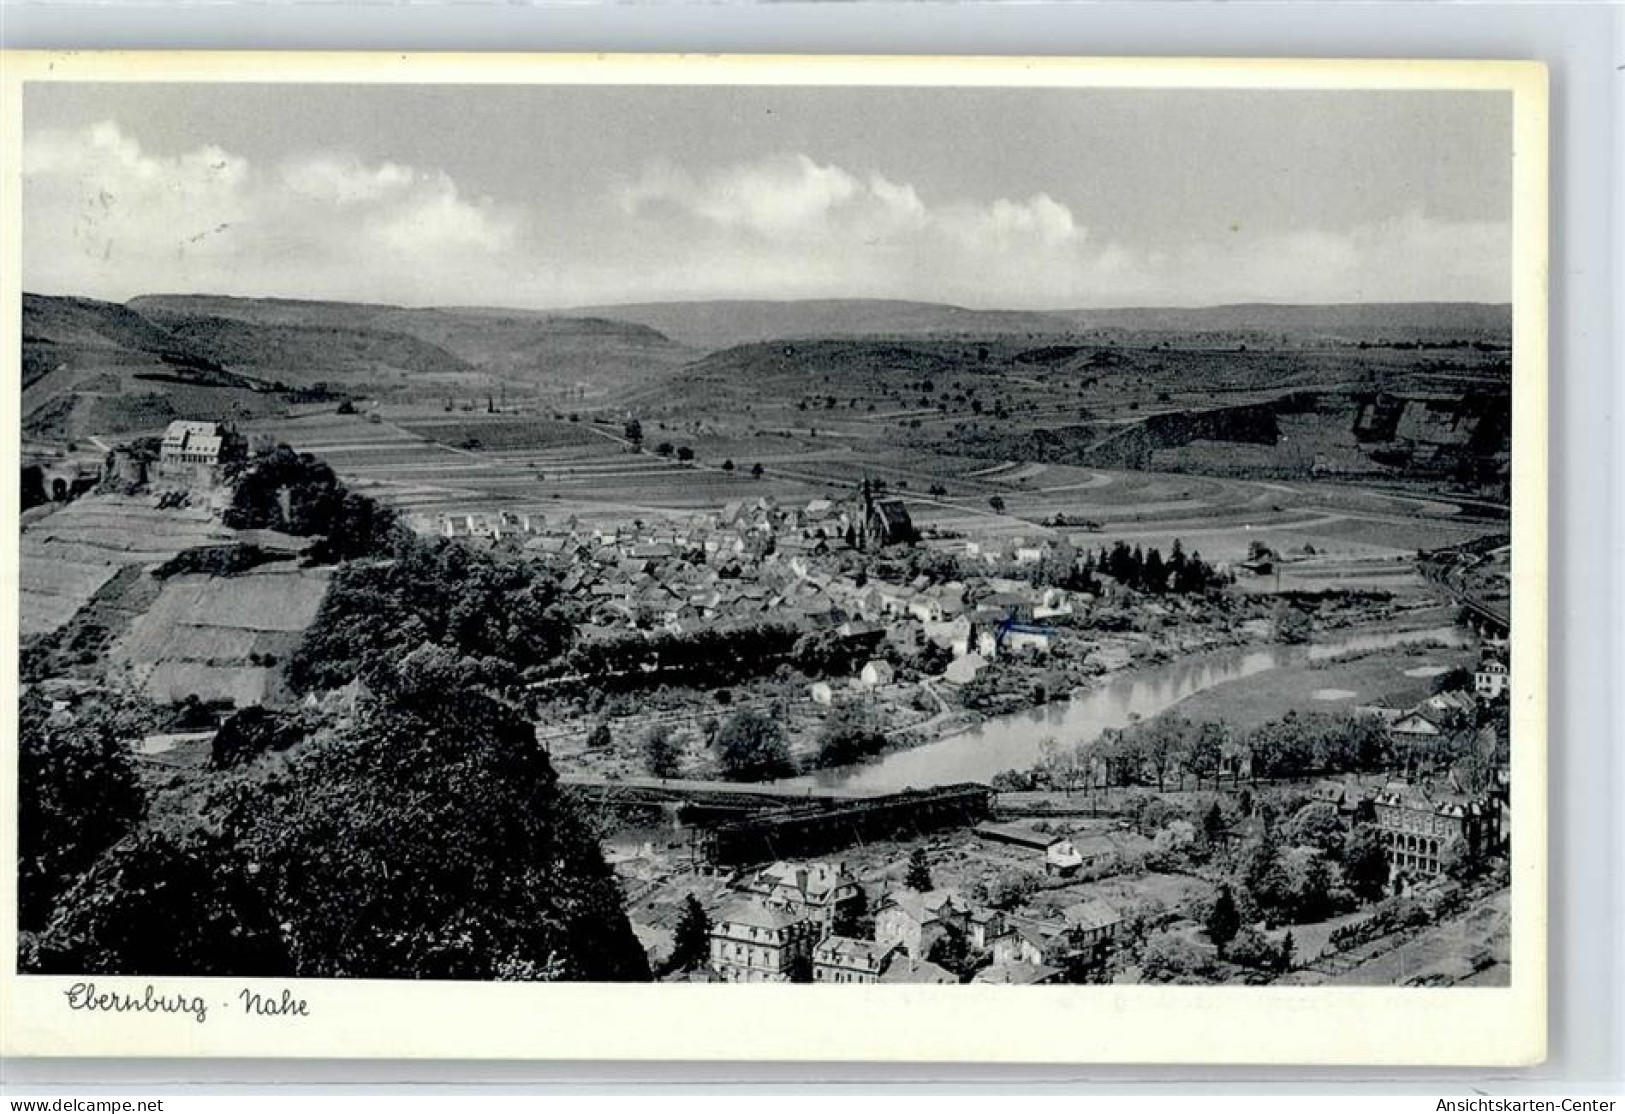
pixel 736 824
pixel 722 796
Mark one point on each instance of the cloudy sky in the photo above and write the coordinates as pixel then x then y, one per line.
pixel 553 197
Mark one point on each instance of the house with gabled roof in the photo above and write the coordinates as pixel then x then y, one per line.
pixel 843 959
pixel 916 921
pixel 754 942
pixel 191 451
pixel 1017 973
pixel 818 891
pixel 904 968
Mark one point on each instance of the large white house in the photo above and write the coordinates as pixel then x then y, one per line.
pixel 192 450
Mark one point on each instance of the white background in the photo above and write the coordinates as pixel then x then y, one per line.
pixel 1585 46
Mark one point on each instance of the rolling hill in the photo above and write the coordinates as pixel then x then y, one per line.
pixel 723 324
pixel 529 349
pixel 99 367
pixel 93 366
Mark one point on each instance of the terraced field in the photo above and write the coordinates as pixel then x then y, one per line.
pixel 425 460
pixel 221 637
pixel 70 553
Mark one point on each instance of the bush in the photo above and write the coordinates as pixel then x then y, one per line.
pixel 252 732
pixel 661 754
pixel 848 735
pixel 1250 948
pixel 219 560
pixel 750 747
pixel 1172 957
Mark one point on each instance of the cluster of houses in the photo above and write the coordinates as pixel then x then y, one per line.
pixel 757 560
pixel 1444 712
pixel 785 923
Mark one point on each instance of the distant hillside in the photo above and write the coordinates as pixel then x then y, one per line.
pixel 303 355
pixel 723 324
pixel 97 367
pixel 1400 321
pixel 726 324
pixel 528 348
pixel 94 367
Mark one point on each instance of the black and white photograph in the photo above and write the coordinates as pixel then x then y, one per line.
pixel 998 534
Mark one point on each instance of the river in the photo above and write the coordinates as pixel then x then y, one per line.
pixel 1013 741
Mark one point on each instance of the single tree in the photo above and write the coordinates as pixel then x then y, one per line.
pixel 1207 752
pixel 661 754
pixel 919 871
pixel 1313 899
pixel 431 839
pixel 1284 963
pixel 756 471
pixel 691 942
pixel 1265 876
pixel 1223 920
pixel 1365 863
pixel 599 736
pixel 34 493
pixel 996 502
pixel 1213 826
pixel 853 919
pixel 952 952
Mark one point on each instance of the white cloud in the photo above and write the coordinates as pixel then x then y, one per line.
pixel 344 180
pixel 794 198
pixel 788 226
pixel 107 218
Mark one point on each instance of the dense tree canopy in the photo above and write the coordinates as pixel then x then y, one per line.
pixel 81 795
pixel 426 839
pixel 703 658
pixel 161 905
pixel 1147 570
pixel 430 840
pixel 281 489
pixel 478 604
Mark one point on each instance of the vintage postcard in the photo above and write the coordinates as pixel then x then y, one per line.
pixel 675 558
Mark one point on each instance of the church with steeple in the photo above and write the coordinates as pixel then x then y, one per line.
pixel 876 520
